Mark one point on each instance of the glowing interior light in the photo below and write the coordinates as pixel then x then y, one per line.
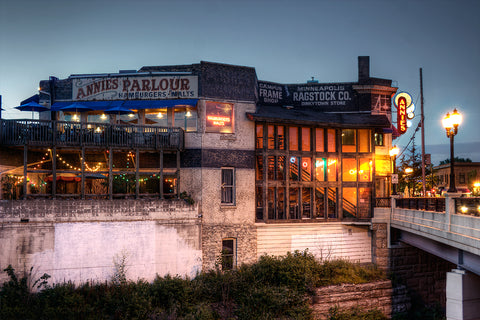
pixel 464 209
pixel 159 115
pixel 188 114
pixel 103 116
pixel 131 115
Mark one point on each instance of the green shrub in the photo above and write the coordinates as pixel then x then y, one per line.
pixel 272 288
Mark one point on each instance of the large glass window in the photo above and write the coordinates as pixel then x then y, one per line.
pixel 349 169
pixel 379 139
pixel 364 205
pixel 293 138
pixel 306 202
pixel 228 186
pixel 349 140
pixel 306 138
pixel 271 136
pixel 259 168
pixel 281 137
pixel 294 207
pixel 365 170
pixel 332 200
pixel 349 202
pixel 332 169
pixel 364 141
pixel 332 141
pixel 319 140
pixel 320 202
pixel 320 165
pixel 306 169
pixel 259 136
pixel 294 168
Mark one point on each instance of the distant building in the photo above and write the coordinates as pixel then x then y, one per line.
pixel 466 174
pixel 266 165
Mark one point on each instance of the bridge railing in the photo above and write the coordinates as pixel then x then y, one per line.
pixel 436 204
pixel 468 206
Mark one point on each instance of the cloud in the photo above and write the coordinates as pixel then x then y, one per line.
pixel 441 152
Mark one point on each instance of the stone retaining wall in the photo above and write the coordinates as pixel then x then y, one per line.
pixel 376 295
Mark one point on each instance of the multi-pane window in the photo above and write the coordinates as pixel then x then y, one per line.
pixel 306 173
pixel 228 254
pixel 379 139
pixel 228 186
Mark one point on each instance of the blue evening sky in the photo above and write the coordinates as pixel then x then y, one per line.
pixel 286 42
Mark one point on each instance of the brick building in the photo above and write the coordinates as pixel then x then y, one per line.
pixel 270 167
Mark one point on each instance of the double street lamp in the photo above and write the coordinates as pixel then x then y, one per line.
pixel 450 123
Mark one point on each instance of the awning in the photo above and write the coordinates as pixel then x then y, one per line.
pixel 302 116
pixel 129 104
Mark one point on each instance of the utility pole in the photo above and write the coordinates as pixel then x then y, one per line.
pixel 422 123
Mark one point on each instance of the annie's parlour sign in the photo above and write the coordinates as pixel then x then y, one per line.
pixel 135 88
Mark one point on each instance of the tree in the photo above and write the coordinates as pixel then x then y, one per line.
pixel 456 159
pixel 412 159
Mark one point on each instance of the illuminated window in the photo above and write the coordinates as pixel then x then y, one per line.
pixel 349 169
pixel 320 165
pixel 259 168
pixel 349 202
pixel 271 136
pixel 379 139
pixel 365 170
pixel 219 117
pixel 306 145
pixel 332 169
pixel 319 140
pixel 281 137
pixel 259 136
pixel 349 140
pixel 364 144
pixel 331 140
pixel 320 202
pixel 293 138
pixel 306 169
pixel 228 253
pixel 228 186
pixel 306 202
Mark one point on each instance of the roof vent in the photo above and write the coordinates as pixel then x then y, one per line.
pixel 312 81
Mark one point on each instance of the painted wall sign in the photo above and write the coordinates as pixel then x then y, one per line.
pixel 332 96
pixel 135 88
pixel 219 117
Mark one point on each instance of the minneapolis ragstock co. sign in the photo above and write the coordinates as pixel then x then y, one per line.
pixel 334 96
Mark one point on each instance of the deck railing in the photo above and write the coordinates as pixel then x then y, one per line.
pixel 74 134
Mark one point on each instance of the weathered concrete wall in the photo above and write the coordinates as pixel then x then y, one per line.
pixel 81 240
pixel 375 295
pixel 324 240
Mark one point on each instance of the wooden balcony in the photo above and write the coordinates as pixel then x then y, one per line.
pixel 76 134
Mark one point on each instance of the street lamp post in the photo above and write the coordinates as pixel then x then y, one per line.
pixel 393 153
pixel 450 123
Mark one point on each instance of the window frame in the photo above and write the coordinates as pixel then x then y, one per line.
pixel 225 187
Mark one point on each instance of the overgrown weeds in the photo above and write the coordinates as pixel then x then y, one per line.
pixel 272 288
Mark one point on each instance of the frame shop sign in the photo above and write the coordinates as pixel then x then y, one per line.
pixel 135 88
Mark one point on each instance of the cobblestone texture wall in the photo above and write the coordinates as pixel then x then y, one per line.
pixel 376 295
pixel 424 274
pixel 212 236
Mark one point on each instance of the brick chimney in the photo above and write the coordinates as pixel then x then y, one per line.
pixel 363 68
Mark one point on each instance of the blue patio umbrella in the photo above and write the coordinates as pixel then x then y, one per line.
pixel 32 106
pixel 118 110
pixel 76 107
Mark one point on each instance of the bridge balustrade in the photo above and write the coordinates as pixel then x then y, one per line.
pixel 436 204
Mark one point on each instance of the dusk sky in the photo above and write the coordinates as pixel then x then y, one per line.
pixel 285 41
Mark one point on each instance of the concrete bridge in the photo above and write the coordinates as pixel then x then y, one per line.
pixel 448 228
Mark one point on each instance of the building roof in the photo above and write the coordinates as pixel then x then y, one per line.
pixel 306 116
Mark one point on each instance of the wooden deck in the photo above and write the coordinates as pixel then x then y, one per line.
pixel 76 134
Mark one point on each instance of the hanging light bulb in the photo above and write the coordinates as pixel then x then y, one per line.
pixel 103 116
pixel 159 115
pixel 189 114
pixel 75 117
